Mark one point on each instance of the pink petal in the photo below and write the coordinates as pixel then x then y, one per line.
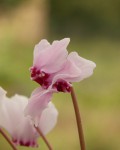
pixel 52 58
pixel 41 46
pixel 85 66
pixel 75 69
pixel 48 118
pixel 37 103
pixel 13 120
pixel 25 134
pixel 2 93
pixel 68 73
pixel 20 127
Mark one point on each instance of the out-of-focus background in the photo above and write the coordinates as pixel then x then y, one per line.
pixel 94 29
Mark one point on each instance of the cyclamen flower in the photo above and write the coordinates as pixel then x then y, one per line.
pixel 53 68
pixel 21 128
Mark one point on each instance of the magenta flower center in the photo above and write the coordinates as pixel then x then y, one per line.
pixel 62 86
pixel 23 143
pixel 44 80
pixel 40 77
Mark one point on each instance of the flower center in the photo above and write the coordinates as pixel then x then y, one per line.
pixel 62 86
pixel 23 143
pixel 40 77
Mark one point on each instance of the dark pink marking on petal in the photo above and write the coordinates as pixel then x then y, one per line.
pixel 27 144
pixel 40 77
pixel 14 140
pixel 21 143
pixel 62 86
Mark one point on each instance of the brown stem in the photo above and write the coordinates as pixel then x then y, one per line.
pixel 43 137
pixel 78 119
pixel 8 140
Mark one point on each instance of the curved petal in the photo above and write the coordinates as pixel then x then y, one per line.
pixel 41 46
pixel 48 118
pixel 75 69
pixel 86 66
pixel 2 93
pixel 21 128
pixel 25 134
pixel 52 58
pixel 68 73
pixel 13 120
pixel 37 103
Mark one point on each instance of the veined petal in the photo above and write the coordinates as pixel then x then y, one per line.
pixel 68 73
pixel 85 66
pixel 21 128
pixel 25 134
pixel 52 58
pixel 37 103
pixel 41 46
pixel 75 69
pixel 13 120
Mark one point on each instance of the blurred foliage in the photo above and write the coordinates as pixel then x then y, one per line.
pixel 86 17
pixel 9 4
pixel 80 17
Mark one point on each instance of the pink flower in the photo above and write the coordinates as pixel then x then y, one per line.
pixel 54 68
pixel 21 128
pixel 55 71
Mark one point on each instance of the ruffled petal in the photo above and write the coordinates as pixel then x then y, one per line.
pixel 21 128
pixel 85 66
pixel 69 73
pixel 52 58
pixel 75 69
pixel 41 46
pixel 37 103
pixel 13 120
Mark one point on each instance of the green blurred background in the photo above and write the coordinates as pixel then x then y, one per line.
pixel 94 29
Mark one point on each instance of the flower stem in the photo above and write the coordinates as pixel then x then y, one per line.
pixel 8 140
pixel 43 137
pixel 78 119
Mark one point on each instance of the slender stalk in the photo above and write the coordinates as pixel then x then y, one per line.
pixel 8 140
pixel 43 137
pixel 78 119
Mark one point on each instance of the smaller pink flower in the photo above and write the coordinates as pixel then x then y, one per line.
pixel 21 128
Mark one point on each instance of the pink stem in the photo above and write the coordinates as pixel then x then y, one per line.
pixel 8 140
pixel 43 137
pixel 78 119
